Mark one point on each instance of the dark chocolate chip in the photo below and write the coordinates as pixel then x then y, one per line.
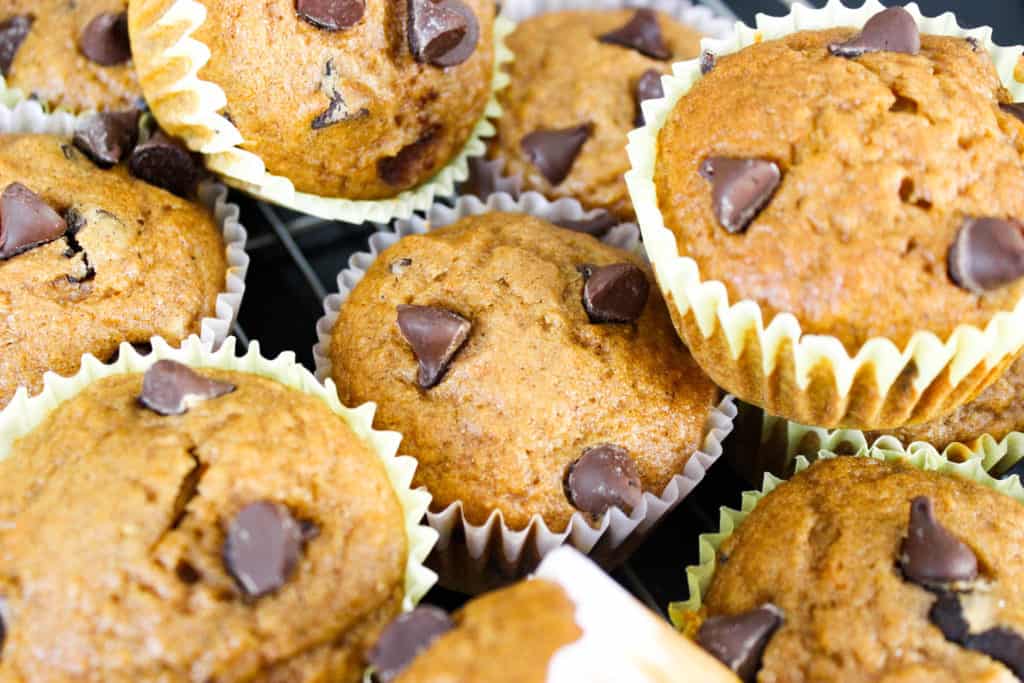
pixel 598 225
pixel 435 335
pixel 486 178
pixel 262 547
pixel 930 555
pixel 891 30
pixel 442 32
pixel 740 188
pixel 647 88
pixel 988 254
pixel 1002 645
pixel 739 641
pixel 166 163
pixel 336 112
pixel 13 32
pixel 707 62
pixel 331 15
pixel 641 33
pixel 26 221
pixel 406 166
pixel 171 388
pixel 973 42
pixel 105 39
pixel 948 616
pixel 553 152
pixel 404 639
pixel 615 293
pixel 107 138
pixel 1014 109
pixel 603 477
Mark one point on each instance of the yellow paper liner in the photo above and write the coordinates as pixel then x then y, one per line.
pixel 812 378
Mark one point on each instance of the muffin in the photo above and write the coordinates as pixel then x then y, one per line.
pixel 531 370
pixel 70 55
pixel 91 256
pixel 869 569
pixel 576 85
pixel 229 523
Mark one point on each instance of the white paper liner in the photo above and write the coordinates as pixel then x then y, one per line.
pixel 24 414
pixel 473 558
pixel 721 334
pixel 621 639
pixel 173 74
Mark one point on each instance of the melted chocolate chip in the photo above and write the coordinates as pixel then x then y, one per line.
pixel 485 178
pixel 553 152
pixel 891 30
pixel 642 33
pixel 707 62
pixel 435 335
pixel 165 162
pixel 948 616
pixel 26 221
pixel 336 112
pixel 647 88
pixel 988 254
pixel 740 188
pixel 171 388
pixel 262 547
pixel 404 639
pixel 739 641
pixel 105 39
pixel 615 293
pixel 403 168
pixel 1002 645
pixel 442 32
pixel 331 15
pixel 1015 109
pixel 598 225
pixel 603 477
pixel 13 32
pixel 930 555
pixel 107 138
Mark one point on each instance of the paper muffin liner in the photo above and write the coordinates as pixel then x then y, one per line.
pixel 474 558
pixel 24 414
pixel 621 640
pixel 171 74
pixel 812 378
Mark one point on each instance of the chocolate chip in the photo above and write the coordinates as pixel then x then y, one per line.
pixel 3 633
pixel 647 88
pixel 406 166
pixel 405 638
pixel 1002 645
pixel 107 138
pixel 740 188
pixel 485 178
pixel 442 32
pixel 930 555
pixel 105 39
pixel 948 616
pixel 1014 109
pixel 598 225
pixel 707 62
pixel 26 221
pixel 642 33
pixel 171 388
pixel 615 293
pixel 435 335
pixel 739 641
pixel 336 112
pixel 891 30
pixel 553 152
pixel 603 477
pixel 262 547
pixel 331 15
pixel 988 254
pixel 165 162
pixel 13 32
pixel 973 42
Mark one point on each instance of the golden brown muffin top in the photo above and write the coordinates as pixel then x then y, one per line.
pixel 113 521
pixel 536 382
pixel 882 159
pixel 141 262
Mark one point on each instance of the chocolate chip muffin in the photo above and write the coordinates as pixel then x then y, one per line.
pixel 576 85
pixel 344 99
pixel 91 256
pixel 195 525
pixel 861 569
pixel 530 369
pixel 72 55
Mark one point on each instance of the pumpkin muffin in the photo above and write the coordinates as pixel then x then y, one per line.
pixel 576 84
pixel 531 369
pixel 72 55
pixel 91 257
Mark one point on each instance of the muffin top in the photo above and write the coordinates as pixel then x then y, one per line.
pixel 881 571
pixel 125 261
pixel 482 342
pixel 254 537
pixel 568 73
pixel 887 160
pixel 349 99
pixel 72 55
